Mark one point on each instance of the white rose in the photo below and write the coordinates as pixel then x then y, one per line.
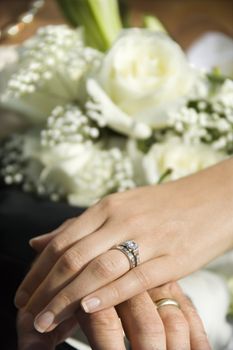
pixel 143 73
pixel 182 159
pixel 85 172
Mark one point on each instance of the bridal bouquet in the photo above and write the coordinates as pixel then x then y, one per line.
pixel 110 108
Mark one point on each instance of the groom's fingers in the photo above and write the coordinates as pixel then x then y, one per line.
pixel 29 338
pixel 103 329
pixel 198 336
pixel 88 222
pixel 142 324
pixel 181 325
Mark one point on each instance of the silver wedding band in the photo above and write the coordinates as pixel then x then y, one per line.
pixel 131 250
pixel 165 302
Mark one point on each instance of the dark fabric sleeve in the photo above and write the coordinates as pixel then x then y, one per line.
pixel 22 217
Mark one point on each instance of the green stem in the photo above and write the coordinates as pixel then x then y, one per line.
pixel 153 23
pixel 100 19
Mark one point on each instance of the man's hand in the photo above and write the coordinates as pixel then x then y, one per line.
pixel 146 327
pixel 30 339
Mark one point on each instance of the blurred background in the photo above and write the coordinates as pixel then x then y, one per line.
pixel 185 20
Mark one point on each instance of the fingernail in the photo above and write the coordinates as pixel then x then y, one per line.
pixel 33 242
pixel 21 299
pixel 44 321
pixel 90 305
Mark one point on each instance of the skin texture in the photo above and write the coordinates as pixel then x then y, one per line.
pixel 179 226
pixel 169 328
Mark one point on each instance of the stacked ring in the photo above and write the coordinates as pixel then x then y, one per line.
pixel 131 251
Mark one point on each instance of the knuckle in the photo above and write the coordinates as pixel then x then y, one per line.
pixel 114 294
pixel 69 221
pixel 149 327
pixel 64 300
pixel 192 313
pixel 142 279
pixel 188 304
pixel 103 267
pixel 72 260
pixel 134 221
pixel 109 203
pixel 175 323
pixel 56 247
pixel 106 319
pixel 174 289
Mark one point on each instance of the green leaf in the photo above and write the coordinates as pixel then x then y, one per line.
pixel 100 19
pixel 164 176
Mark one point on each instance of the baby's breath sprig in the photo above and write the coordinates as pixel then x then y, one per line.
pixel 18 166
pixel 50 71
pixel 69 124
pixel 12 160
pixel 208 120
pixel 122 171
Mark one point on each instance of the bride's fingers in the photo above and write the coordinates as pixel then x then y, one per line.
pixel 40 242
pixel 88 222
pixel 141 278
pixel 100 271
pixel 103 329
pixel 142 323
pixel 134 282
pixel 71 277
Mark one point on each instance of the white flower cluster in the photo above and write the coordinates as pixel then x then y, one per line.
pixel 68 124
pixel 82 173
pixel 20 165
pixel 207 119
pixel 109 171
pixel 50 70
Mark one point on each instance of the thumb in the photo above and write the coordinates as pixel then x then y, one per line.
pixel 28 338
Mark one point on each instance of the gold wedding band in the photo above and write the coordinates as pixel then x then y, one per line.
pixel 166 301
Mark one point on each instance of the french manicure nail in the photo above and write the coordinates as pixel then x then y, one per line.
pixel 21 299
pixel 89 305
pixel 44 321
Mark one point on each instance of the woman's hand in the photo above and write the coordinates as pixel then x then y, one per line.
pixel 146 327
pixel 178 226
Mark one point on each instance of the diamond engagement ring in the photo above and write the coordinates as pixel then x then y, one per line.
pixel 131 251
